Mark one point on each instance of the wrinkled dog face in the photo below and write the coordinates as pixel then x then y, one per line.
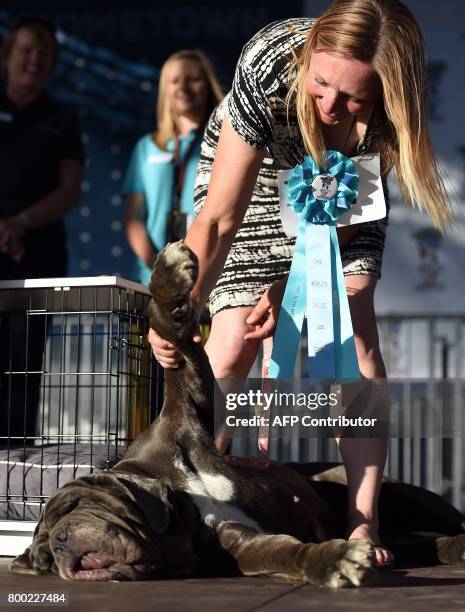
pixel 86 547
pixel 100 527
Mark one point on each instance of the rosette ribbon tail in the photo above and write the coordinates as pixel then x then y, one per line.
pixel 291 314
pixel 316 285
pixel 345 353
pixel 316 288
pixel 321 307
pixel 331 346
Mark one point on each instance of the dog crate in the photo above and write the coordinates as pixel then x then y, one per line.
pixel 76 386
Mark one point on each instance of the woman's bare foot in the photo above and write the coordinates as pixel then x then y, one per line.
pixel 367 531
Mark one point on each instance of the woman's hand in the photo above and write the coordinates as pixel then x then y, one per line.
pixel 264 316
pixel 165 352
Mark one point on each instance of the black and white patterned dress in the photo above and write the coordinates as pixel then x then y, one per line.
pixel 261 252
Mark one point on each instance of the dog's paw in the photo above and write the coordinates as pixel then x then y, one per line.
pixel 174 274
pixel 451 550
pixel 341 563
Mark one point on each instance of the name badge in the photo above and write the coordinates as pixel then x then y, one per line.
pixel 370 204
pixel 160 158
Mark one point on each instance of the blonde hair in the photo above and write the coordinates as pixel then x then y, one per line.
pixel 386 34
pixel 166 120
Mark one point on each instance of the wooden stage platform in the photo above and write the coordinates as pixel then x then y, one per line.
pixel 403 590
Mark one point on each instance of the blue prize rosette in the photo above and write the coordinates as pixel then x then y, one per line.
pixel 316 281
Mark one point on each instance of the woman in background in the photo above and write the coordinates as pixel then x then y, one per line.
pixel 159 183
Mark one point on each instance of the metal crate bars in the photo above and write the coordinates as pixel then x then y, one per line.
pixel 75 383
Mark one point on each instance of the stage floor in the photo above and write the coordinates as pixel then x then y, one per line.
pixel 404 590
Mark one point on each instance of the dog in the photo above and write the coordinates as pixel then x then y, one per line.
pixel 174 508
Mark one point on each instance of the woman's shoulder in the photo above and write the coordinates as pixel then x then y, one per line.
pixel 278 40
pixel 145 151
pixel 145 143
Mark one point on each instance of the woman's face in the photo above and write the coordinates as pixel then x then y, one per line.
pixel 186 88
pixel 341 86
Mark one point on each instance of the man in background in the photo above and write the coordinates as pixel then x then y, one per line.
pixel 41 163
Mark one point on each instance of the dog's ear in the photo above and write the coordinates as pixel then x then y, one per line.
pixel 155 510
pixel 22 564
pixel 37 558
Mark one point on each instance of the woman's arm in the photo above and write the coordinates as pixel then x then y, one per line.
pixel 136 231
pixel 55 204
pixel 212 232
pixel 48 209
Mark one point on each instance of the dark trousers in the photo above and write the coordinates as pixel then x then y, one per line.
pixel 22 340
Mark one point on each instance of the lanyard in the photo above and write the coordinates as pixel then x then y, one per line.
pixel 180 166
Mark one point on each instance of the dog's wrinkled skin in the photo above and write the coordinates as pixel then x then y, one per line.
pixel 173 507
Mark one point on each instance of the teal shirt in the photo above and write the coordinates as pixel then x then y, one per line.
pixel 151 173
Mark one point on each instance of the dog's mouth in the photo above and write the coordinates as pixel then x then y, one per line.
pixel 98 566
pixel 93 566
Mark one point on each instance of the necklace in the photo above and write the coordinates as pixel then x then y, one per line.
pixel 325 186
pixel 349 133
pixel 332 142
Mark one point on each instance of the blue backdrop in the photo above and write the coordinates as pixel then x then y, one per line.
pixel 108 70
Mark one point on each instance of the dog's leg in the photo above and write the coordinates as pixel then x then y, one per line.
pixel 172 317
pixel 185 422
pixel 428 549
pixel 407 510
pixel 174 275
pixel 335 563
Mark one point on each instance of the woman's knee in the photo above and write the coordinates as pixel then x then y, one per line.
pixel 360 290
pixel 365 334
pixel 367 347
pixel 369 356
pixel 230 355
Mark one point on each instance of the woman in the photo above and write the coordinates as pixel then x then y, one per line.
pixel 159 183
pixel 352 80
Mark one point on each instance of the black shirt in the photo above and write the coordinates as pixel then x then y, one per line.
pixel 34 141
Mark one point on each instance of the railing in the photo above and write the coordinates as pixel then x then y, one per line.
pixel 427 346
pixel 424 357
